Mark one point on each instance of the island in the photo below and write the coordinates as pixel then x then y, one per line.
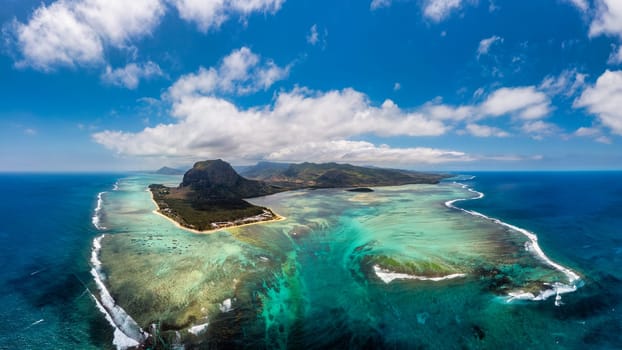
pixel 211 194
pixel 360 189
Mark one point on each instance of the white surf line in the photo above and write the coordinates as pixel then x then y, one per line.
pixel 96 219
pixel 557 288
pixel 127 333
pixel 388 276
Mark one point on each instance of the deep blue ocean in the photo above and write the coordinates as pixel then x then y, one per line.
pixel 46 235
pixel 45 243
pixel 578 219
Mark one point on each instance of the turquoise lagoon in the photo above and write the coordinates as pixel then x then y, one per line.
pixel 400 267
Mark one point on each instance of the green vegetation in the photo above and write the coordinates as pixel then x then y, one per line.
pixel 203 215
pixel 329 175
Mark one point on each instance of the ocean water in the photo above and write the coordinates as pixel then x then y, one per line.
pixel 578 219
pixel 396 268
pixel 46 233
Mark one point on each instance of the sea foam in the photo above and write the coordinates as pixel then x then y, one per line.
pixel 388 276
pixel 556 288
pixel 96 219
pixel 225 306
pixel 198 329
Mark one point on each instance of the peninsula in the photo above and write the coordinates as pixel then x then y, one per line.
pixel 210 198
pixel 211 194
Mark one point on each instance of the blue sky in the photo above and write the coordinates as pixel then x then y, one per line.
pixel 92 85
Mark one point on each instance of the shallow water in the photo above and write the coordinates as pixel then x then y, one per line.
pixel 311 281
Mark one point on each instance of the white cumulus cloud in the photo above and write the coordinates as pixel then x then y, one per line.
pixel 315 122
pixel 212 14
pixel 567 83
pixel 119 22
pixel 302 124
pixel 587 132
pixel 522 102
pixel 73 33
pixel 616 56
pixel 604 100
pixel 376 4
pixel 363 152
pixel 486 44
pixel 312 37
pixel 485 131
pixel 538 128
pixel 607 19
pixel 299 125
pixel 55 36
pixel 438 10
pixel 240 72
pixel 582 5
pixel 130 75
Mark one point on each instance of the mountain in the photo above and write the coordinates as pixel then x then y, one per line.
pixel 328 175
pixel 262 169
pixel 168 171
pixel 217 180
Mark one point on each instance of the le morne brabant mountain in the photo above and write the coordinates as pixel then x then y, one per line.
pixel 211 194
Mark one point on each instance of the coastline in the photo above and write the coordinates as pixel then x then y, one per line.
pixel 176 223
pixel 557 288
